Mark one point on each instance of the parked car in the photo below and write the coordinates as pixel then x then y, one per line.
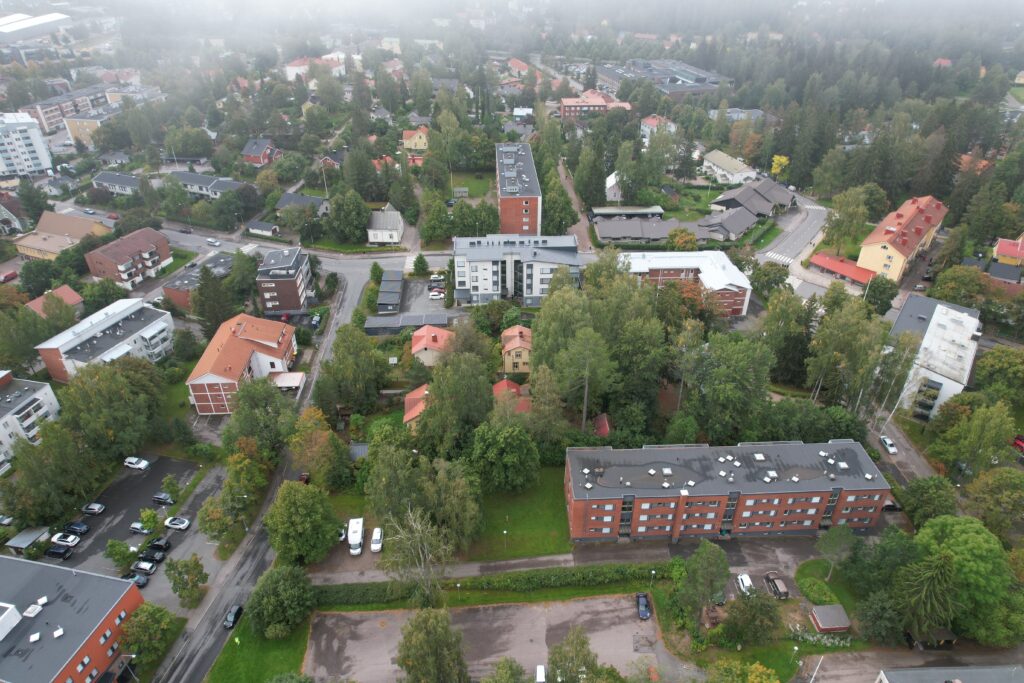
pixel 137 528
pixel 8 276
pixel 450 202
pixel 185 229
pixel 744 583
pixel 70 540
pixel 436 296
pixel 163 498
pixel 1018 442
pixel 891 506
pixel 232 617
pixel 212 242
pixel 94 509
pixel 91 212
pixel 136 463
pixel 888 444
pixel 6 520
pixel 58 552
pixel 154 556
pixel 920 288
pixel 718 598
pixel 643 606
pixel 144 567
pixel 77 528
pixel 161 544
pixel 775 585
pixel 141 580
pixel 377 540
pixel 179 523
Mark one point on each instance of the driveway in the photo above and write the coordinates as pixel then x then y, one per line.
pixel 363 646
pixel 582 227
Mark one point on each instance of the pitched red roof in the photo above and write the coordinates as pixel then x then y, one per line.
pixel 841 266
pixel 518 65
pixel 602 425
pixel 507 389
pixel 64 293
pixel 415 403
pixel 228 353
pixel 1010 248
pixel 907 226
pixel 516 337
pixel 430 337
pixel 506 385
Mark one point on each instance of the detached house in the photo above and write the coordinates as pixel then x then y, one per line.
pixel 116 183
pixel 727 169
pixel 415 140
pixel 651 123
pixel 386 226
pixel 243 348
pixel 260 152
pixel 205 186
pixel 516 345
pixel 415 404
pixel 429 342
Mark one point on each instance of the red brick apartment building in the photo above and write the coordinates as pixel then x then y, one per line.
pixel 519 202
pixel 675 492
pixel 61 625
pixel 712 269
pixel 129 260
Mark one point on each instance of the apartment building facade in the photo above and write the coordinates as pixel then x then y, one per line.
pixel 893 245
pixel 694 491
pixel 511 267
pixel 129 260
pixel 24 406
pixel 712 270
pixel 285 282
pixel 127 327
pixel 50 113
pixel 519 195
pixel 23 150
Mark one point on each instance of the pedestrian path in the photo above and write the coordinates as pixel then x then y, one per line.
pixel 779 258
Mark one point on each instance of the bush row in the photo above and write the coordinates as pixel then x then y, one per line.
pixel 816 590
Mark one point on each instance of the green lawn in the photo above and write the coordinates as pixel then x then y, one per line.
pixel 248 656
pixel 844 591
pixel 175 403
pixel 765 238
pixel 313 191
pixel 779 657
pixel 334 245
pixel 348 504
pixel 180 258
pixel 394 418
pixel 850 247
pixel 916 431
pixel 145 673
pixel 1018 93
pixel 478 187
pixel 535 520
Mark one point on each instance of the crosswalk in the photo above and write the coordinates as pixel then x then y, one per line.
pixel 779 258
pixel 409 260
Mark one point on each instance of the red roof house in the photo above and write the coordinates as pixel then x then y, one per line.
pixel 1010 252
pixel 64 293
pixel 518 67
pixel 428 342
pixel 415 404
pixel 506 389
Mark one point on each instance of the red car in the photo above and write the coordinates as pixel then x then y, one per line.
pixel 8 276
pixel 113 216
pixel 1018 442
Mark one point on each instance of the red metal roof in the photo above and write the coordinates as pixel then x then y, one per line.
pixel 907 226
pixel 841 266
pixel 1010 248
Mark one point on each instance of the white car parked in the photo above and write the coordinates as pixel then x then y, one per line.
pixel 136 463
pixel 744 583
pixel 889 444
pixel 377 540
pixel 179 523
pixel 70 540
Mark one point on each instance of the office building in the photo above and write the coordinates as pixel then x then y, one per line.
pixel 24 406
pixel 674 492
pixel 285 282
pixel 128 327
pixel 61 625
pixel 23 150
pixel 519 196
pixel 511 267
pixel 129 260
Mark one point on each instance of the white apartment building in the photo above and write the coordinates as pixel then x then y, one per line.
pixel 949 341
pixel 24 406
pixel 23 150
pixel 128 327
pixel 511 266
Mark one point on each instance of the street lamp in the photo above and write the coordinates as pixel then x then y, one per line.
pixel 796 649
pixel 458 587
pixel 129 666
pixel 505 532
pixel 244 524
pixel 652 581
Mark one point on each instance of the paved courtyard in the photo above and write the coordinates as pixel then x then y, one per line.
pixel 363 646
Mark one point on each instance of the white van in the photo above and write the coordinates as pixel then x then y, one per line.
pixel 540 674
pixel 212 242
pixel 377 540
pixel 743 582
pixel 355 536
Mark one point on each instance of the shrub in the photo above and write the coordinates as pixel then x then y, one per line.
pixel 281 600
pixel 816 590
pixel 303 336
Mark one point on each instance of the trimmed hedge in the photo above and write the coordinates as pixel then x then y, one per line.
pixel 513 582
pixel 816 590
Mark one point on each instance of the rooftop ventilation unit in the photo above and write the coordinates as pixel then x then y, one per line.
pixel 629 483
pixel 869 477
pixel 32 610
pixel 843 465
pixel 34 637
pixel 652 471
pixel 831 461
pixel 728 457
pixel 735 463
pixel 759 457
pixel 691 482
pixel 832 476
pixel 588 486
pixel 58 633
pixel 721 473
pixel 666 471
pixel 772 474
pixel 721 458
pixel 767 480
pixel 822 453
pixel 795 479
pixel 42 601
pixel 585 470
pixel 665 484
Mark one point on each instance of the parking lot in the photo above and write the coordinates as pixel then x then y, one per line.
pixel 415 298
pixel 130 492
pixel 363 646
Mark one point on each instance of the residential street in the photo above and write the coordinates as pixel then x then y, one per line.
pixel 799 225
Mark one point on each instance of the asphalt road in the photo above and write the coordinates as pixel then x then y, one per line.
pixel 800 225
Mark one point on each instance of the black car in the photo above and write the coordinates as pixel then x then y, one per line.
pixel 150 555
pixel 643 606
pixel 58 552
pixel 232 617
pixel 77 528
pixel 163 499
pixel 161 544
pixel 141 580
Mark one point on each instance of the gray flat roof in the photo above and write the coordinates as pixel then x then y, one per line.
pixel 101 342
pixel 917 313
pixel 1011 673
pixel 15 395
pixel 634 228
pixel 76 601
pixel 391 286
pixel 187 279
pixel 517 175
pixel 701 470
pixel 560 249
pixel 407 320
pixel 281 264
pixel 389 298
pixel 831 616
pixel 627 211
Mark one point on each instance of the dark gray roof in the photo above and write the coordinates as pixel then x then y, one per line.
pixel 747 197
pixel 189 178
pixel 391 286
pixel 1010 673
pixel 281 264
pixel 187 279
pixel 292 199
pixel 225 185
pixel 917 313
pixel 397 322
pixel 705 470
pixel 517 175
pixel 1004 271
pixel 389 298
pixel 100 343
pixel 17 394
pixel 831 616
pixel 256 147
pixel 627 211
pixel 736 221
pixel 76 602
pixel 772 191
pixel 634 228
pixel 416 120
pixel 27 537
pixel 255 224
pixel 392 275
pixel 358 450
pixel 111 178
pixel 974 262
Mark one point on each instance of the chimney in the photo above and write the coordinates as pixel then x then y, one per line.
pixel 928 219
pixel 899 214
pixel 433 337
pixel 6 377
pixel 520 334
pixel 914 200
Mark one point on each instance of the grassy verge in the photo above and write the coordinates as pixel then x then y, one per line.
pixel 535 520
pixel 916 432
pixel 790 392
pixel 478 187
pixel 766 237
pixel 333 245
pixel 146 673
pixel 1018 93
pixel 175 401
pixel 189 489
pixel 179 258
pixel 436 245
pixel 778 655
pixel 844 591
pixel 348 504
pixel 850 247
pixel 248 656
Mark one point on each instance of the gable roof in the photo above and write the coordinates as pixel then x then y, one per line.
pixel 69 226
pixel 1010 248
pixel 111 178
pixel 293 199
pixel 516 337
pixel 256 147
pixel 429 337
pixel 64 293
pixel 125 248
pixel 228 353
pixel 839 265
pixel 906 227
pixel 415 402
pixel 748 197
pixel 726 163
pixel 409 134
pixel 737 220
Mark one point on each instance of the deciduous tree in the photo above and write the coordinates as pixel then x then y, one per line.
pixel 928 497
pixel 263 413
pixel 418 552
pixel 572 660
pixel 505 458
pixel 146 631
pixel 281 600
pixel 187 578
pixel 835 544
pixel 301 524
pixel 880 293
pixel 996 497
pixel 431 650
